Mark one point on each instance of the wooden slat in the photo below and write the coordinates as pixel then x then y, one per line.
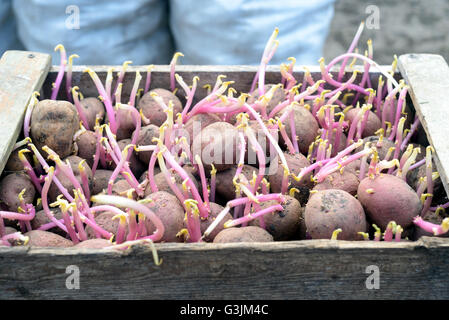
pixel 312 269
pixel 21 73
pixel 428 78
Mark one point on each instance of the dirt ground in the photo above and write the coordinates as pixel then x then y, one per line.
pixel 408 26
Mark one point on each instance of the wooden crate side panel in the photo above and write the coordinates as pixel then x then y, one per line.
pixel 315 269
pixel 428 78
pixel 21 73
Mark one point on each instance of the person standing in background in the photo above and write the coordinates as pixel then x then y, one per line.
pixel 149 31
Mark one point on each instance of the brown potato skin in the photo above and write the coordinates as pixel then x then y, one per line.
pixel 264 141
pixel 53 124
pixel 382 150
pixel 96 243
pixel 153 111
pixel 93 107
pixel 306 128
pixel 136 166
pixel 162 184
pixel 392 200
pixel 198 122
pixel 328 210
pixel 121 188
pixel 282 225
pixel 278 97
pixel 347 181
pixel 243 234
pixel 373 122
pixel 39 238
pixel 433 218
pixel 101 179
pixel 104 220
pixel 14 164
pixel 146 135
pixel 295 163
pixel 41 218
pixel 204 224
pixel 220 136
pixel 53 192
pixel 169 210
pixel 224 185
pixel 87 145
pixel 10 188
pixel 126 125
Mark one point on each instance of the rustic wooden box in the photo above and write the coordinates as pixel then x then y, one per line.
pixel 310 269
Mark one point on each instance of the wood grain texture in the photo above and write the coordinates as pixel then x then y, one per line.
pixel 313 269
pixel 428 78
pixel 21 73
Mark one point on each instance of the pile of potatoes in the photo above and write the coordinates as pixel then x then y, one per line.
pixel 350 203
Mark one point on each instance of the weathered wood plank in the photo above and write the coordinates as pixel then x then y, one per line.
pixel 314 269
pixel 428 78
pixel 21 73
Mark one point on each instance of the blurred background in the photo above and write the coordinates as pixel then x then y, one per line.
pixel 221 31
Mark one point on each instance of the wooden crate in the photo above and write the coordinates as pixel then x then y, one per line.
pixel 310 269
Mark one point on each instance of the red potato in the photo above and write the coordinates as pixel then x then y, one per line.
pixel 388 198
pixel 348 181
pixel 306 128
pixel 38 238
pixel 10 188
pixel 92 107
pixel 243 234
pixel 53 124
pixel 295 163
pixel 153 111
pixel 74 161
pixel 105 220
pixel 86 143
pixel 282 225
pixel 94 244
pixel 373 122
pixel 204 224
pixel 329 210
pixel 169 210
pixel 146 135
pixel 218 145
